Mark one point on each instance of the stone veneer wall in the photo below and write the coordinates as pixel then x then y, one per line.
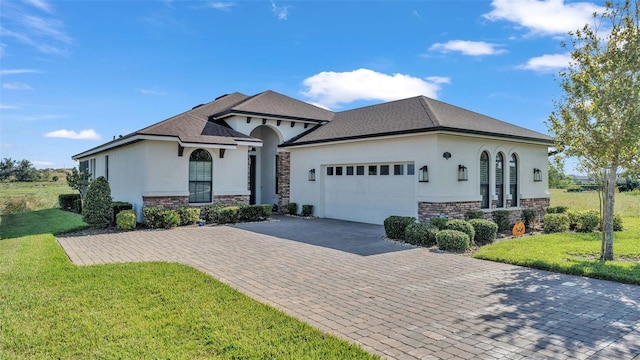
pixel 284 180
pixel 230 200
pixel 453 210
pixel 169 202
pixel 456 210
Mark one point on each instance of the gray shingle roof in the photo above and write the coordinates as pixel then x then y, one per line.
pixel 412 115
pixel 278 105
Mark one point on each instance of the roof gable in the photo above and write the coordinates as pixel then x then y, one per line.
pixel 278 105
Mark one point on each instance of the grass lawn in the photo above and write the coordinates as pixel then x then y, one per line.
pixel 37 195
pixel 575 253
pixel 50 308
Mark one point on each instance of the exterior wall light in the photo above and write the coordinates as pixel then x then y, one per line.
pixel 463 175
pixel 537 175
pixel 423 174
pixel 446 155
pixel 312 175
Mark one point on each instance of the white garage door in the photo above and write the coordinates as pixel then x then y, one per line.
pixel 369 192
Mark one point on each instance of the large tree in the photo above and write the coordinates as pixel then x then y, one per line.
pixel 597 119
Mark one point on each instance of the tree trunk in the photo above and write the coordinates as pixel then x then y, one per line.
pixel 608 214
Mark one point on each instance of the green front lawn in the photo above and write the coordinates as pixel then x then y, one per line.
pixel 50 308
pixel 574 253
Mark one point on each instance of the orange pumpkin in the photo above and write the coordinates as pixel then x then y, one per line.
pixel 518 229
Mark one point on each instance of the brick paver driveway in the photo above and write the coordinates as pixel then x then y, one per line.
pixel 407 304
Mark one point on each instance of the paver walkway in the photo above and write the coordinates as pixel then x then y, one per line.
pixel 404 304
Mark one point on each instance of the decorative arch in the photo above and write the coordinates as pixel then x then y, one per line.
pixel 500 179
pixel 513 179
pixel 200 175
pixel 484 180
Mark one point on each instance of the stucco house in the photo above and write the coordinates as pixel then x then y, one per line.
pixel 417 157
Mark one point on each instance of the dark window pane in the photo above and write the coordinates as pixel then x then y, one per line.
pixel 360 170
pixel 338 170
pixel 349 170
pixel 384 169
pixel 398 169
pixel 330 170
pixel 373 170
pixel 200 174
pixel 411 169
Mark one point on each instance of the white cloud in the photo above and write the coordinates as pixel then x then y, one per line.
pixel 328 88
pixel 2 47
pixel 281 12
pixel 547 63
pixel 18 71
pixel 16 86
pixel 544 17
pixel 221 5
pixel 87 134
pixel 40 4
pixel 42 163
pixel 150 92
pixel 471 48
pixel 8 107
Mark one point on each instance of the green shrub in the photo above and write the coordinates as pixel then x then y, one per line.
pixel 474 214
pixel 170 219
pixel 228 215
pixel 485 231
pixel 188 215
pixel 250 213
pixel 68 201
pixel 574 218
pixel 421 234
pixel 266 210
pixel 556 222
pixel 126 220
pixel 588 221
pixel 452 240
pixel 153 216
pixel 439 222
pixel 212 212
pixel 528 216
pixel 463 226
pixel 120 206
pixel 395 226
pixel 617 222
pixel 556 209
pixel 97 210
pixel 307 210
pixel 292 208
pixel 501 217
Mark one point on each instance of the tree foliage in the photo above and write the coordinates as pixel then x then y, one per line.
pixel 78 180
pixel 557 178
pixel 598 118
pixel 96 208
pixel 22 170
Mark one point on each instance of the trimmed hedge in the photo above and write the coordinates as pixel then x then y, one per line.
pixel 170 219
pixel 556 222
pixel 212 212
pixel 474 214
pixel 119 206
pixel 292 208
pixel 70 202
pixel 439 222
pixel 617 223
pixel 556 209
pixel 395 226
pixel 421 234
pixel 463 226
pixel 501 217
pixel 126 220
pixel 485 231
pixel 266 210
pixel 188 215
pixel 228 215
pixel 452 240
pixel 97 210
pixel 307 210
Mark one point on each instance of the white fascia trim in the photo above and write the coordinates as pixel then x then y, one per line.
pixel 271 117
pixel 135 138
pixel 249 143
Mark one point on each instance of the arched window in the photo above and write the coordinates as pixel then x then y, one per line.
pixel 484 179
pixel 200 177
pixel 513 179
pixel 500 179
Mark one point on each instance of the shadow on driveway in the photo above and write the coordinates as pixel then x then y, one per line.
pixel 352 237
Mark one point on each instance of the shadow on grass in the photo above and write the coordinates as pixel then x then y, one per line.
pixel 576 316
pixel 48 221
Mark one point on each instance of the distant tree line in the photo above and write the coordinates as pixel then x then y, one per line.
pixel 23 170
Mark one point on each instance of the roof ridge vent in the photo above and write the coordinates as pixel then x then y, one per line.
pixel 220 97
pixel 197 106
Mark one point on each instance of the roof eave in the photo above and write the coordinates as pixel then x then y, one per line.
pixel 230 112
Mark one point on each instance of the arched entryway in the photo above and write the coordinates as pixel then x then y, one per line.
pixel 263 171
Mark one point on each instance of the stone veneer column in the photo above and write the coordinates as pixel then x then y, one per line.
pixel 538 204
pixel 231 200
pixel 453 210
pixel 284 180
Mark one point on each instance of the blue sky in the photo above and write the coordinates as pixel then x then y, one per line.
pixel 74 74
